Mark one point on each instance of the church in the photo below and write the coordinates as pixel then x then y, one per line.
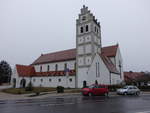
pixel 84 65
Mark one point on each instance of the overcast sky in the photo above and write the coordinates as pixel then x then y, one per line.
pixel 31 27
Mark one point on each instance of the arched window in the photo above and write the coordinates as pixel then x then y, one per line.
pixel 48 68
pixel 56 67
pixel 70 79
pixel 87 28
pixel 40 68
pixel 23 83
pixel 95 29
pixel 34 80
pixel 81 30
pixel 59 80
pixel 83 18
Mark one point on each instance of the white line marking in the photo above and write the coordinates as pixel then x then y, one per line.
pixel 144 112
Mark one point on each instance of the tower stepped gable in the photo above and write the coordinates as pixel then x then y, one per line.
pixel 88 42
pixel 88 37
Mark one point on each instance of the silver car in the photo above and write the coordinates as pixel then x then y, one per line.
pixel 129 90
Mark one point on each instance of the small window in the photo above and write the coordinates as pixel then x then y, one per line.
pixel 50 80
pixel 41 80
pixel 87 28
pixel 48 68
pixel 34 80
pixel 56 67
pixel 83 18
pixel 95 28
pixel 59 80
pixel 40 68
pixel 81 30
pixel 70 79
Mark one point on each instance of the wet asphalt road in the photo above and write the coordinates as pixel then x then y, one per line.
pixel 79 104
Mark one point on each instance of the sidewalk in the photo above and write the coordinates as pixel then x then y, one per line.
pixel 6 96
pixel 5 87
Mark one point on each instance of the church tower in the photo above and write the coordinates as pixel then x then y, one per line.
pixel 88 43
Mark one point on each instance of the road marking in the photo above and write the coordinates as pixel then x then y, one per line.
pixel 71 103
pixel 144 112
pixel 58 104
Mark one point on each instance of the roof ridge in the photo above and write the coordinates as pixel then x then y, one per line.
pixel 111 46
pixel 59 51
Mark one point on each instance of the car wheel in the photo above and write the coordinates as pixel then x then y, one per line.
pixel 125 93
pixel 90 94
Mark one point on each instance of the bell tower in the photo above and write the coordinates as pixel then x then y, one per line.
pixel 88 43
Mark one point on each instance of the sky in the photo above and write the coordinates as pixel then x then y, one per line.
pixel 29 28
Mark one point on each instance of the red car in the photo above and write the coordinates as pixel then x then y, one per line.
pixel 95 90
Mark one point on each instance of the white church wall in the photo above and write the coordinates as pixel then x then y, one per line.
pixel 88 38
pixel 54 81
pixel 81 61
pixel 81 76
pixel 102 75
pixel 48 81
pixel 88 60
pixel 113 60
pixel 80 50
pixel 81 40
pixel 61 66
pixel 118 59
pixel 88 48
pixel 115 79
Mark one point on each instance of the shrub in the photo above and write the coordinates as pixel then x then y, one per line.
pixel 144 88
pixel 114 87
pixel 60 89
pixel 29 87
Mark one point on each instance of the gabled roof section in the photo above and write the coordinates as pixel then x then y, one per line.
pixel 56 57
pixel 135 76
pixel 29 71
pixel 24 70
pixel 70 54
pixel 110 51
pixel 111 67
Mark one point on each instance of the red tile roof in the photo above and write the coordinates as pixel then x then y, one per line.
pixel 111 67
pixel 29 71
pixel 25 70
pixel 110 51
pixel 134 76
pixel 70 54
pixel 56 57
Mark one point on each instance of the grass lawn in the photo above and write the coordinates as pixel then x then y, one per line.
pixel 38 89
pixel 23 91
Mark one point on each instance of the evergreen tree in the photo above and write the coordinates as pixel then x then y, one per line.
pixel 5 72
